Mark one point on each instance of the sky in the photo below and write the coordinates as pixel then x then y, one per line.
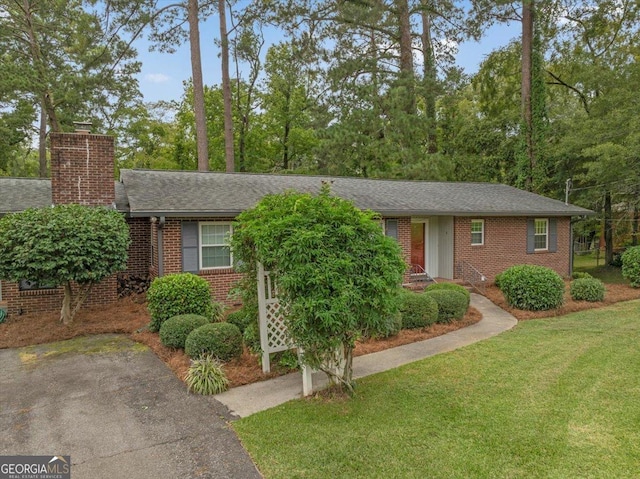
pixel 162 74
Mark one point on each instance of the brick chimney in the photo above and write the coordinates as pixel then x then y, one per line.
pixel 82 168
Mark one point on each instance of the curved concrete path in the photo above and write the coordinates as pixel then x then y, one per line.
pixel 246 400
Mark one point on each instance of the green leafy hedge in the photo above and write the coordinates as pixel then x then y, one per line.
pixel 532 288
pixel 221 340
pixel 450 287
pixel 174 331
pixel 631 265
pixel 587 289
pixel 182 293
pixel 452 304
pixel 417 310
pixel 241 318
pixel 580 275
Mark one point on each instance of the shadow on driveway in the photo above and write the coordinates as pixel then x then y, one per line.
pixel 117 410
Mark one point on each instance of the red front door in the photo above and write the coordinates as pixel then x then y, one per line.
pixel 417 244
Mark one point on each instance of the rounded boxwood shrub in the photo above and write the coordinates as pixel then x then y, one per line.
pixel 240 318
pixel 587 289
pixel 222 340
pixel 174 331
pixel 532 288
pixel 580 275
pixel 418 310
pixel 450 287
pixel 176 294
pixel 631 265
pixel 451 304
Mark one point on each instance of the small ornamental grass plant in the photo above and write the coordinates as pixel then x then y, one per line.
pixel 221 340
pixel 532 288
pixel 174 331
pixel 631 265
pixel 587 289
pixel 206 376
pixel 176 294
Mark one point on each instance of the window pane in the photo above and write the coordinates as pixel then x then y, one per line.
pixel 540 242
pixel 216 256
pixel 541 227
pixel 215 234
pixel 477 230
pixel 476 238
pixel 391 228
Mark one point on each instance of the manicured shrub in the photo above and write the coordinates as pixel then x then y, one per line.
pixel 451 304
pixel 241 318
pixel 587 289
pixel 251 337
pixel 580 275
pixel 451 287
pixel 176 294
pixel 222 340
pixel 417 309
pixel 532 288
pixel 631 265
pixel 497 279
pixel 206 376
pixel 174 331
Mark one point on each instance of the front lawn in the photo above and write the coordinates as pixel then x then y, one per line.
pixel 552 398
pixel 596 267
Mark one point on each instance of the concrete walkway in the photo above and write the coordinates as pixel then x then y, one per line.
pixel 246 400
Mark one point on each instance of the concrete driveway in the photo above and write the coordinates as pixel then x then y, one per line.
pixel 117 410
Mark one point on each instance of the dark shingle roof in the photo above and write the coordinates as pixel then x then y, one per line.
pixel 18 194
pixel 189 193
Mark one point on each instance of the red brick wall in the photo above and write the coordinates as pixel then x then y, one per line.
pixel 139 262
pixel 82 169
pixel 505 244
pixel 404 238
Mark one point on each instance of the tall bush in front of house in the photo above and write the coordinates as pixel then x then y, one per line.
pixel 631 265
pixel 338 276
pixel 532 288
pixel 182 293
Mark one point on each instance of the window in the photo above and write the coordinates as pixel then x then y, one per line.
pixel 391 228
pixel 28 285
pixel 541 236
pixel 214 245
pixel 477 232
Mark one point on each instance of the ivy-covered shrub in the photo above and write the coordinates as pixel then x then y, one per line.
pixel 587 289
pixel 174 331
pixel 417 309
pixel 241 318
pixel 450 287
pixel 532 288
pixel 222 340
pixel 580 275
pixel 176 294
pixel 631 265
pixel 206 376
pixel 451 304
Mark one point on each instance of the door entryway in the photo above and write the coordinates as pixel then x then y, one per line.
pixel 418 257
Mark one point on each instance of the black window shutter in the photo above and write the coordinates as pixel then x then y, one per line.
pixel 391 228
pixel 553 235
pixel 531 235
pixel 190 249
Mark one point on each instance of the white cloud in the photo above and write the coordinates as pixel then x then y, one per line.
pixel 157 77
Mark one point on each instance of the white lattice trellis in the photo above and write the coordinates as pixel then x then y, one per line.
pixel 273 332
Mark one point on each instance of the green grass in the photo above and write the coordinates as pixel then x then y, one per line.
pixel 598 269
pixel 553 398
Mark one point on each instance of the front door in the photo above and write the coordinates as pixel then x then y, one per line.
pixel 417 245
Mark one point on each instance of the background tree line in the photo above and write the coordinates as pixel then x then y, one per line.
pixel 353 87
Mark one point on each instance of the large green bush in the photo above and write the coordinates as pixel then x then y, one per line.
pixel 174 331
pixel 587 289
pixel 631 265
pixel 221 340
pixel 418 310
pixel 451 287
pixel 532 288
pixel 182 293
pixel 451 304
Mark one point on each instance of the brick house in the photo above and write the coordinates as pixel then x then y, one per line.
pixel 179 220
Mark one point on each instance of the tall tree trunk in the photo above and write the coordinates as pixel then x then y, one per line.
pixel 527 75
pixel 42 144
pixel 429 78
pixel 202 141
pixel 226 89
pixel 406 54
pixel 608 229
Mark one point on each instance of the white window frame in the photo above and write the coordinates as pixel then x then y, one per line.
pixel 201 245
pixel 481 243
pixel 536 234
